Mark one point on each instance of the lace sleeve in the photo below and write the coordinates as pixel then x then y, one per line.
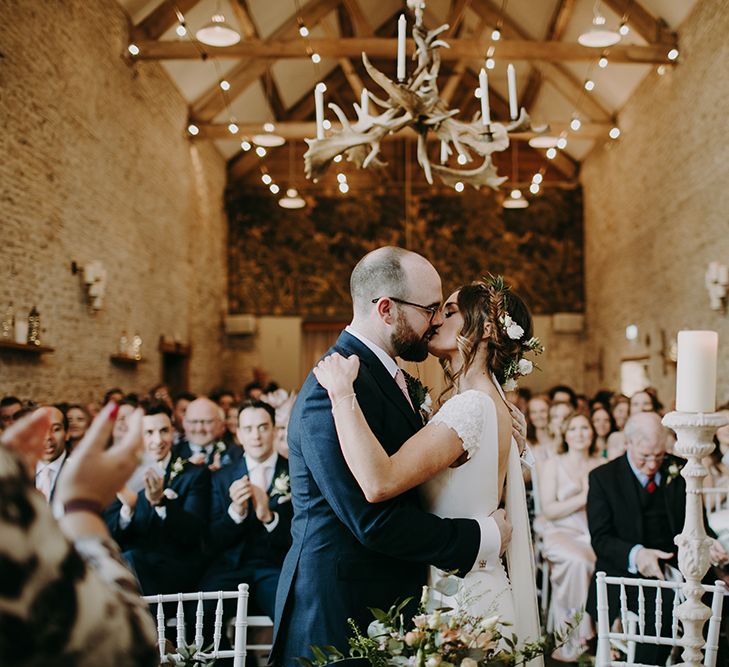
pixel 465 414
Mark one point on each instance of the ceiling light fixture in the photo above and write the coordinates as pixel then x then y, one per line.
pixel 598 36
pixel 218 32
pixel 515 200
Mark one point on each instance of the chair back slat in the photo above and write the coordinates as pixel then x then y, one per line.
pixel 633 629
pixel 237 653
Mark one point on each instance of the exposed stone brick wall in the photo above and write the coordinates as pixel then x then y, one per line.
pixel 96 166
pixel 657 208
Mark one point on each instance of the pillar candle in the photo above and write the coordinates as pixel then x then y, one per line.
pixel 401 28
pixel 511 76
pixel 696 372
pixel 319 104
pixel 483 81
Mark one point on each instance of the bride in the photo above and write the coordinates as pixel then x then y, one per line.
pixel 465 460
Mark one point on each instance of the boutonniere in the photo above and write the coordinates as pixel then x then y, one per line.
pixel 419 395
pixel 220 447
pixel 177 467
pixel 674 470
pixel 282 486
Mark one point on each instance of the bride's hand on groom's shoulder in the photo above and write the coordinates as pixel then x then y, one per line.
pixel 337 374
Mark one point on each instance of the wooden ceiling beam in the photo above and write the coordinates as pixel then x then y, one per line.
pixel 211 102
pixel 374 47
pixel 298 129
pixel 243 15
pixel 652 29
pixel 455 16
pixel 161 19
pixel 361 23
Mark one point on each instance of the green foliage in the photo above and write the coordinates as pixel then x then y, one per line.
pixel 185 656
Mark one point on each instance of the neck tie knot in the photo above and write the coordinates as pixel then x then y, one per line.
pixel 651 485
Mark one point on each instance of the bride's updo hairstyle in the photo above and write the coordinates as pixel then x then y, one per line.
pixel 478 304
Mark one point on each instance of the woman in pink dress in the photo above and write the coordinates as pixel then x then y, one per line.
pixel 565 534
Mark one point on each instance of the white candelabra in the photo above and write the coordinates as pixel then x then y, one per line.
pixel 695 422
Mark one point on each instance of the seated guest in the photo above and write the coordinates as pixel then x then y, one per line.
pixel 250 521
pixel 558 412
pixel 539 437
pixel 9 405
pixel 565 535
pixel 78 423
pixel 54 454
pixel 160 393
pixel 561 393
pixel 604 425
pixel 181 402
pixel 160 528
pixel 224 398
pixel 66 598
pixel 204 427
pixel 636 505
pixel 640 401
pixel 620 410
pixel 127 405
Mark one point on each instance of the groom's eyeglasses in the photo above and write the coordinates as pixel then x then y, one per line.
pixel 428 309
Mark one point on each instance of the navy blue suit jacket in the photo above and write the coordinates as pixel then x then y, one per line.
pixel 237 544
pixel 348 554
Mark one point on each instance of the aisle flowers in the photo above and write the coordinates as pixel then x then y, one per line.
pixel 438 638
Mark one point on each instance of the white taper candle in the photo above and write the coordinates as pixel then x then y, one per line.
pixel 511 76
pixel 402 26
pixel 443 152
pixel 696 372
pixel 483 82
pixel 319 105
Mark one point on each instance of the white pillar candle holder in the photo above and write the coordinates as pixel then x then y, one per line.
pixel 694 432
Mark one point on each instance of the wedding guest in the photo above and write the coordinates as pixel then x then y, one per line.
pixel 636 506
pixel 93 408
pixel 9 405
pixel 160 528
pixel 178 415
pixel 620 410
pixel 231 426
pixel 604 425
pixel 283 413
pixel 54 454
pixel 718 462
pixel 114 394
pixel 250 519
pixel 224 398
pixel 253 391
pixel 523 396
pixel 79 421
pixel 558 412
pixel 643 401
pixel 601 399
pixel 565 533
pixel 583 404
pixel 204 426
pixel 561 393
pixel 77 605
pixel 539 436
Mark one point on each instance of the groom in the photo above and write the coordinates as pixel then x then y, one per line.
pixel 347 554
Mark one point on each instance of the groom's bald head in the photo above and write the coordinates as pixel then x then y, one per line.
pixel 387 271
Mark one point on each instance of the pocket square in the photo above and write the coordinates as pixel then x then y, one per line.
pixel 170 494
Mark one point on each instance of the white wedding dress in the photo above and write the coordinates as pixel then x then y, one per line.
pixel 472 491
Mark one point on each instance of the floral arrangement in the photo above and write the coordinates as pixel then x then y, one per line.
pixel 419 395
pixel 438 638
pixel 518 366
pixel 282 486
pixel 177 467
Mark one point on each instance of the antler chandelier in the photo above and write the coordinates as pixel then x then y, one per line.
pixel 414 103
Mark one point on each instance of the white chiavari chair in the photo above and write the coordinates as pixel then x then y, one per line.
pixel 638 628
pixel 240 625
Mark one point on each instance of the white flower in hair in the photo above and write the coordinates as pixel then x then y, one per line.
pixel 514 331
pixel 510 385
pixel 525 367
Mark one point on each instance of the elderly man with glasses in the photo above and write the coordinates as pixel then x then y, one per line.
pixel 636 505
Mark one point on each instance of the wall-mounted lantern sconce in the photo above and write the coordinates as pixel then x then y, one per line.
pixel 716 280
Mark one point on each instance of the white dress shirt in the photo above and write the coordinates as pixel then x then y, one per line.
pixel 54 467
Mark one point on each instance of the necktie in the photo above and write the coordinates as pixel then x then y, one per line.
pixel 651 486
pixel 43 483
pixel 258 476
pixel 400 381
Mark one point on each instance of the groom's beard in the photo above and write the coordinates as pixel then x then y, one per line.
pixel 407 344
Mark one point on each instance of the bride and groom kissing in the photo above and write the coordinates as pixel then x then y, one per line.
pixel 383 504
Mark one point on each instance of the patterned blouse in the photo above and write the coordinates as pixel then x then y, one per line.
pixel 61 604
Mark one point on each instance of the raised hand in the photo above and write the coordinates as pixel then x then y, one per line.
pixel 96 473
pixel 27 437
pixel 337 374
pixel 240 491
pixel 154 486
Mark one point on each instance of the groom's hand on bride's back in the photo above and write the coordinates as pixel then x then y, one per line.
pixel 505 528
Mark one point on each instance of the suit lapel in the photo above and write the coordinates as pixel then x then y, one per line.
pixel 628 488
pixel 349 345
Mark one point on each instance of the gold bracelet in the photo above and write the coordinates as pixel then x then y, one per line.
pixel 353 396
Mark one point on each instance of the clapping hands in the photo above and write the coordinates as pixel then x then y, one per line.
pixel 241 491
